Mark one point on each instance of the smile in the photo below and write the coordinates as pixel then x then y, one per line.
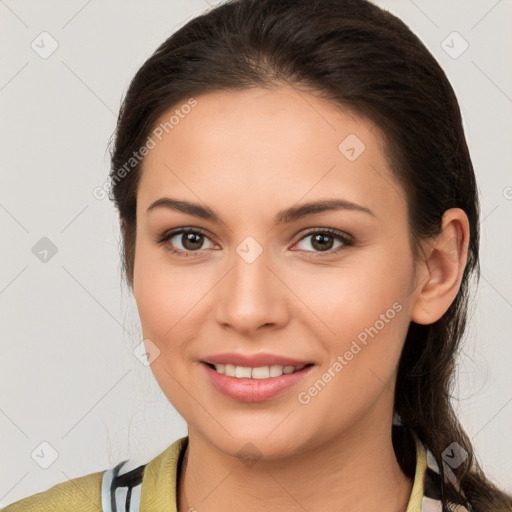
pixel 261 372
pixel 254 384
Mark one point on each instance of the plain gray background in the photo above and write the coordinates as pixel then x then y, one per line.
pixel 68 374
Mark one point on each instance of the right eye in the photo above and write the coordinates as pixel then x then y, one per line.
pixel 191 240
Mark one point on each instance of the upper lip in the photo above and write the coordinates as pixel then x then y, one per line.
pixel 253 360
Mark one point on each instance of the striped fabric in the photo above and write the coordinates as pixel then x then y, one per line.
pixel 121 488
pixel 431 501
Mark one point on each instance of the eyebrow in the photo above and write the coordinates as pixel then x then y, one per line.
pixel 283 217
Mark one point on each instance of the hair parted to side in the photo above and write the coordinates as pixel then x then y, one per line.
pixel 363 59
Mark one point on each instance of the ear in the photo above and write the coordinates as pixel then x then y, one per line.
pixel 440 273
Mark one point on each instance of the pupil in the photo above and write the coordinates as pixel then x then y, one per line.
pixel 189 239
pixel 320 238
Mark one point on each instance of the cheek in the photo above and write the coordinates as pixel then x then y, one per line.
pixel 362 352
pixel 163 302
pixel 364 311
pixel 152 296
pixel 163 293
pixel 170 301
pixel 350 298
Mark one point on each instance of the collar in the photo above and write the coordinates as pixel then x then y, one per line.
pixel 160 480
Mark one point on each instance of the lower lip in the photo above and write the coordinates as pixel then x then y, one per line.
pixel 254 390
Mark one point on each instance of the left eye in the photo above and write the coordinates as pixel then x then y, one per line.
pixel 322 241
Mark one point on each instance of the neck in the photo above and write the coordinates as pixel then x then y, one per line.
pixel 356 472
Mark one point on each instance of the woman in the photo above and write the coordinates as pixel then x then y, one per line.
pixel 300 228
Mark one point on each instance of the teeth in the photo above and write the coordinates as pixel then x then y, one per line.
pixel 241 372
pixel 262 372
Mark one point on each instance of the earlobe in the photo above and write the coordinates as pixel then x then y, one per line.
pixel 445 259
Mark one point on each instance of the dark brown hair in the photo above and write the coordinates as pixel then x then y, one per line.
pixel 366 60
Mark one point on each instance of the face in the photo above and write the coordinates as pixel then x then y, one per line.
pixel 329 288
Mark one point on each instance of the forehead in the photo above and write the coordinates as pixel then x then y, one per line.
pixel 261 147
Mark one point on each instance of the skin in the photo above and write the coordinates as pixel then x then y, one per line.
pixel 247 155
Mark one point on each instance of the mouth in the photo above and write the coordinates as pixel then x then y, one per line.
pixel 257 373
pixel 254 384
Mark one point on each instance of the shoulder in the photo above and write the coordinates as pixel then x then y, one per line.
pixel 161 477
pixel 156 481
pixel 83 493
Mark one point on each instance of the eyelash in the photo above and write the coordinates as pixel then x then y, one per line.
pixel 341 237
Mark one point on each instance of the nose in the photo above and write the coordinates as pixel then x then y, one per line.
pixel 252 296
